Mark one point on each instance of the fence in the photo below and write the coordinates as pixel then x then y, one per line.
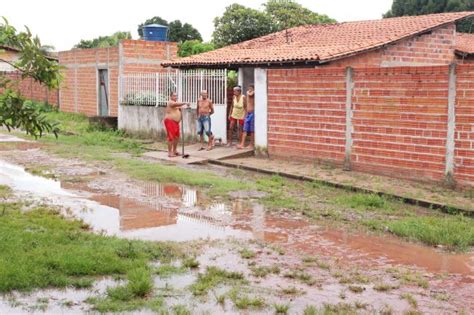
pixel 153 89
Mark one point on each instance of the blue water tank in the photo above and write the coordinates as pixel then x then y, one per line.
pixel 155 32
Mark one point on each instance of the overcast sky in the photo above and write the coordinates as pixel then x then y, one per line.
pixel 63 23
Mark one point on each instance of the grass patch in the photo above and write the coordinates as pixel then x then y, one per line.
pixel 42 249
pixel 247 253
pixel 361 201
pixel 385 287
pixel 281 308
pixel 410 299
pixel 302 276
pixel 5 192
pixel 168 270
pixel 263 271
pixel 244 301
pixel 356 289
pixel 190 262
pixel 213 277
pixel 409 277
pixel 455 232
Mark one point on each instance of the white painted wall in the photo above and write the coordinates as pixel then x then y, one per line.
pixel 261 109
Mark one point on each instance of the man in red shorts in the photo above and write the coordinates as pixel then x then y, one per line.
pixel 172 118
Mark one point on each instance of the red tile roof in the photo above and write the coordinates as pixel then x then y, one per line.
pixel 319 43
pixel 465 43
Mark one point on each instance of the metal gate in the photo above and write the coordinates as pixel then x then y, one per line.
pixel 153 89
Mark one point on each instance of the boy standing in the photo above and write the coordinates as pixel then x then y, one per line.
pixel 205 109
pixel 172 118
pixel 249 121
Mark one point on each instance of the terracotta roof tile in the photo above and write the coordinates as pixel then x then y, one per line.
pixel 323 42
pixel 465 43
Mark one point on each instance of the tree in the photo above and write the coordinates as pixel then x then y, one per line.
pixel 419 7
pixel 287 13
pixel 193 47
pixel 104 41
pixel 33 62
pixel 239 23
pixel 153 20
pixel 179 32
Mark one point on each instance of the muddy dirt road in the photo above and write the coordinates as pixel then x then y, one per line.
pixel 317 265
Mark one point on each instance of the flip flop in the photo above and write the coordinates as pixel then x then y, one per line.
pixel 201 148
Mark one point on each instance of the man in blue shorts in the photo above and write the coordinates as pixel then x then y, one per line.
pixel 249 121
pixel 205 109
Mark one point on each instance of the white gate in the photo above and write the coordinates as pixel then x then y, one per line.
pixel 153 89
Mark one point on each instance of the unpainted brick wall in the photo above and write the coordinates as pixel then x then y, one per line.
pixel 306 113
pixel 79 92
pixel 31 89
pixel 433 48
pixel 399 119
pixel 464 136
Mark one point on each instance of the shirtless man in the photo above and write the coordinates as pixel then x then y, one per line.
pixel 249 121
pixel 172 118
pixel 237 113
pixel 205 109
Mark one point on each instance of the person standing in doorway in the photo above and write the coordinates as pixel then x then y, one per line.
pixel 249 121
pixel 172 119
pixel 205 109
pixel 237 114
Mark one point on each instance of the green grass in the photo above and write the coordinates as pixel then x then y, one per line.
pixel 41 249
pixel 213 277
pixel 361 201
pixel 410 299
pixel 168 270
pixel 243 301
pixel 5 192
pixel 190 262
pixel 455 232
pixel 281 308
pixel 247 253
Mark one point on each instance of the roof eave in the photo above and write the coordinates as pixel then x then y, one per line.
pixel 236 65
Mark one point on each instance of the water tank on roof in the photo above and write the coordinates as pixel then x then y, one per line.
pixel 155 32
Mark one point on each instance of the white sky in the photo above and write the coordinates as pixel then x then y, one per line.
pixel 63 23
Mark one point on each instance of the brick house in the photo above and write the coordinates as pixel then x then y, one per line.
pixel 391 96
pixel 28 87
pixel 91 76
pixel 465 48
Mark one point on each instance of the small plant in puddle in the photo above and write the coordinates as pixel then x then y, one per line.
pixel 190 262
pixel 385 287
pixel 311 310
pixel 244 302
pixel 181 310
pixel 291 291
pixel 213 277
pixel 5 191
pixel 168 270
pixel 342 294
pixel 263 271
pixel 82 283
pixel 360 305
pixel 364 201
pixel 409 277
pixel 386 310
pixel 67 303
pixel 410 299
pixel 340 308
pixel 356 289
pixel 221 299
pixel 247 253
pixel 281 308
pixel 301 276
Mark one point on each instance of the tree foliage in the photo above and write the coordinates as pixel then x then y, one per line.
pixel 104 41
pixel 194 47
pixel 33 62
pixel 419 7
pixel 287 13
pixel 239 23
pixel 177 31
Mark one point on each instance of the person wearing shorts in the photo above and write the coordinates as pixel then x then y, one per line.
pixel 172 119
pixel 237 114
pixel 249 121
pixel 205 109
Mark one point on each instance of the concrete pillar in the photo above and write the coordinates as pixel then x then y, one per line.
pixel 450 143
pixel 261 111
pixel 349 114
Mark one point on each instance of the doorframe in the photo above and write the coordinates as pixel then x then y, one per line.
pixel 98 68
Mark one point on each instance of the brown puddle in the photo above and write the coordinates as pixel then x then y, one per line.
pixel 176 213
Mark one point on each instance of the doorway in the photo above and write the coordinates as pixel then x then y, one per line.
pixel 103 88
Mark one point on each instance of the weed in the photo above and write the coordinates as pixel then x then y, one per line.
pixel 281 308
pixel 341 308
pixel 213 277
pixel 356 289
pixel 410 299
pixel 247 253
pixel 168 270
pixel 290 291
pixel 244 302
pixel 5 192
pixel 181 310
pixel 221 299
pixel 190 262
pixel 360 305
pixel 363 201
pixel 310 310
pixel 263 271
pixel 301 276
pixel 384 287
